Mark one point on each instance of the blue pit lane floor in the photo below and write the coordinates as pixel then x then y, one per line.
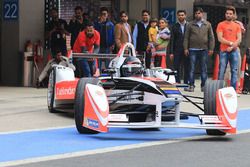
pixel 24 145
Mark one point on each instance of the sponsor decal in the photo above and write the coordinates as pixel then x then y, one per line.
pixel 172 92
pixel 169 88
pixel 92 123
pixel 98 92
pixel 118 117
pixel 228 95
pixel 65 91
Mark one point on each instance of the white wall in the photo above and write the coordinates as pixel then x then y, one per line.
pixel 31 22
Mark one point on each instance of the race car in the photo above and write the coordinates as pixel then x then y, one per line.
pixel 135 98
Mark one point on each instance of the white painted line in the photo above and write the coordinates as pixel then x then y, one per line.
pixel 36 130
pixel 244 109
pixel 104 150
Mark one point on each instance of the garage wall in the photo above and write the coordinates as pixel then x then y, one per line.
pixel 31 21
pixel 187 5
pixel 134 8
pixel 10 66
pixel 0 43
pixel 30 25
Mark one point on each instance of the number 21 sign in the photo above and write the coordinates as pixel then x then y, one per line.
pixel 169 14
pixel 10 9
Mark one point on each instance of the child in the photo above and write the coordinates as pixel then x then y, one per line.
pixel 152 33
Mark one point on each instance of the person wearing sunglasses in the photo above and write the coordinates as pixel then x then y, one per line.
pixel 106 29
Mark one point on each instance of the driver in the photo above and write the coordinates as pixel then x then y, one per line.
pixel 131 66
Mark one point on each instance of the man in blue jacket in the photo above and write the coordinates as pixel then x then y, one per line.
pixel 106 29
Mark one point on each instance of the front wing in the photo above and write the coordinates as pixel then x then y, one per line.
pixel 218 122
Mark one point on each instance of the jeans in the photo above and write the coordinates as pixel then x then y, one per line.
pixel 202 57
pixel 181 64
pixel 107 61
pixel 86 67
pixel 233 59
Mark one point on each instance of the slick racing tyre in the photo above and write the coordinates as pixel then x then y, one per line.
pixel 210 102
pixel 51 91
pixel 79 104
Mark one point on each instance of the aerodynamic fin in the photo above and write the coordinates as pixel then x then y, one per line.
pixel 226 108
pixel 96 108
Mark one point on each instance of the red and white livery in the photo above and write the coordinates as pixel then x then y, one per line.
pixel 149 99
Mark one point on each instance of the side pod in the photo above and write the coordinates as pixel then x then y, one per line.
pixel 96 108
pixel 226 108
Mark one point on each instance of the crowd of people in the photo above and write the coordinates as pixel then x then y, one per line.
pixel 187 43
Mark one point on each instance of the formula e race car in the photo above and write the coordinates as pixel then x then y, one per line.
pixel 135 98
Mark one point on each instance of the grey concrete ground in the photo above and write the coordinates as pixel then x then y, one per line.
pixel 23 108
pixel 229 151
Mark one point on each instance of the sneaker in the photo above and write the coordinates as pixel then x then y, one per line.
pixel 202 89
pixel 189 89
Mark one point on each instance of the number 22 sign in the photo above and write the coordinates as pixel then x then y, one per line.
pixel 10 9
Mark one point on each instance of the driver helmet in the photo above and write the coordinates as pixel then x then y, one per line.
pixel 131 66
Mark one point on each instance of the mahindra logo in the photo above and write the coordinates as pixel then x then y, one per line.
pixel 99 93
pixel 228 95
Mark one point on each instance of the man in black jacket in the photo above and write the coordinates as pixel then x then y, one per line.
pixel 56 31
pixel 140 35
pixel 76 25
pixel 176 47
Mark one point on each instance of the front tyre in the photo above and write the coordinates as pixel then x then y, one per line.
pixel 79 104
pixel 210 90
pixel 51 91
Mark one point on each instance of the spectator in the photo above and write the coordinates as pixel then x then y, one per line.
pixel 106 29
pixel 88 41
pixel 56 31
pixel 76 24
pixel 162 40
pixel 198 44
pixel 229 35
pixel 122 31
pixel 140 35
pixel 181 62
pixel 227 73
pixel 152 32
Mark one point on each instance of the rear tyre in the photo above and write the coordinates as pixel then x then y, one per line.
pixel 79 105
pixel 51 91
pixel 210 102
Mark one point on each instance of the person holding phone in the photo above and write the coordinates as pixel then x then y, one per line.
pixel 56 31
